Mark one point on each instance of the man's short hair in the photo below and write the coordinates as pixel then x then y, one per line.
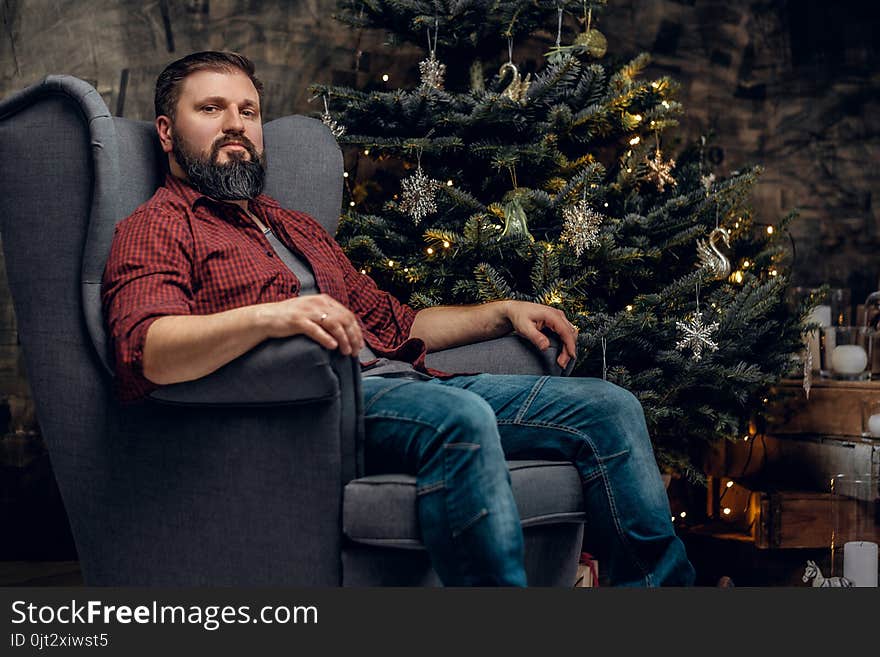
pixel 169 81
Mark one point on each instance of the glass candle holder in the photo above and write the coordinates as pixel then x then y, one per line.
pixel 845 352
pixel 855 503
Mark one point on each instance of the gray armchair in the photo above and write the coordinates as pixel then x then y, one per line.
pixel 251 476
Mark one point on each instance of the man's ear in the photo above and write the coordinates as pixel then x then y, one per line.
pixel 163 128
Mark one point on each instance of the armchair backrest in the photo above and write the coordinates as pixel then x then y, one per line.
pixel 69 173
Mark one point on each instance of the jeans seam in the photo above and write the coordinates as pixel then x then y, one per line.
pixel 543 425
pixel 430 488
pixel 384 392
pixel 532 394
pixel 471 447
pixel 399 418
pixel 482 513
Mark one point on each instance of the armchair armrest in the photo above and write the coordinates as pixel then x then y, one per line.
pixel 293 370
pixel 511 354
pixel 286 372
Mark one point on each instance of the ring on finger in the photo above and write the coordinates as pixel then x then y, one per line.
pixel 323 317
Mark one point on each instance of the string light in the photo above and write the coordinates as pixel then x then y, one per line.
pixel 629 309
pixel 628 170
pixel 449 183
pixel 683 514
pixel 606 204
pixel 634 141
pixel 727 510
pixel 769 230
pixel 737 277
pixel 637 117
pixel 445 244
pixel 366 151
pixel 430 250
pixel 351 203
pixel 385 78
pixel 746 264
pixel 773 272
pixel 345 174
pixel 666 104
pixel 655 84
pixel 390 263
pixel 729 484
pixel 363 271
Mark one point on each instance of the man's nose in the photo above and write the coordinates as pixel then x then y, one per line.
pixel 232 120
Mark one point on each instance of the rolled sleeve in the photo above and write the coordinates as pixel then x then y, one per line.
pixel 148 275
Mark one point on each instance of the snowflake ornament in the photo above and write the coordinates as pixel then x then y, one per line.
pixel 582 224
pixel 697 336
pixel 335 127
pixel 659 170
pixel 432 72
pixel 419 195
pixel 707 182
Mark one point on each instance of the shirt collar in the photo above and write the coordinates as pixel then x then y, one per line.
pixel 192 196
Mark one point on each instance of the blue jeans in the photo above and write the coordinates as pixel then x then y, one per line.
pixel 454 435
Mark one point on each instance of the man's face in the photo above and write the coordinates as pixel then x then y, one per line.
pixel 216 138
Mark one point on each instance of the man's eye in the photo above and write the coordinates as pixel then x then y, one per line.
pixel 249 113
pixel 209 108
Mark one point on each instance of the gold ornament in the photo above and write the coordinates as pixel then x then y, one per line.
pixel 518 87
pixel 594 41
pixel 659 170
pixel 710 256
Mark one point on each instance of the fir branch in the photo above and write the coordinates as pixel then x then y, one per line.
pixel 492 286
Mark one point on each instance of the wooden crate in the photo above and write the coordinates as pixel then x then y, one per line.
pixel 780 519
pixel 834 407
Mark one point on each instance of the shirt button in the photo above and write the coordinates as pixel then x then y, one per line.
pixel 270 254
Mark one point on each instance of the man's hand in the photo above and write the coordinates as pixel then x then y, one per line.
pixel 529 318
pixel 319 316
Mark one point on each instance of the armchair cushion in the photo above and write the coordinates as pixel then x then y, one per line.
pixel 380 510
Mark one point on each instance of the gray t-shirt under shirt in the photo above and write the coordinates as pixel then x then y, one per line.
pixel 302 270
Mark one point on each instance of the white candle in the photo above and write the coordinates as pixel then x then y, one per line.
pixel 860 563
pixel 874 425
pixel 849 359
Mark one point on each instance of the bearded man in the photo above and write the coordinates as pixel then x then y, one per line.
pixel 210 267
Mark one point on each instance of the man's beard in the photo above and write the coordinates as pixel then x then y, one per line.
pixel 236 180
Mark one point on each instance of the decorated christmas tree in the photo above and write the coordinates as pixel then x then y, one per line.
pixel 483 181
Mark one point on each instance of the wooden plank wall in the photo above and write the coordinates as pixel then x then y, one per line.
pixel 790 85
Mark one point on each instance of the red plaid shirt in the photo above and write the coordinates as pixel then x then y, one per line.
pixel 182 253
